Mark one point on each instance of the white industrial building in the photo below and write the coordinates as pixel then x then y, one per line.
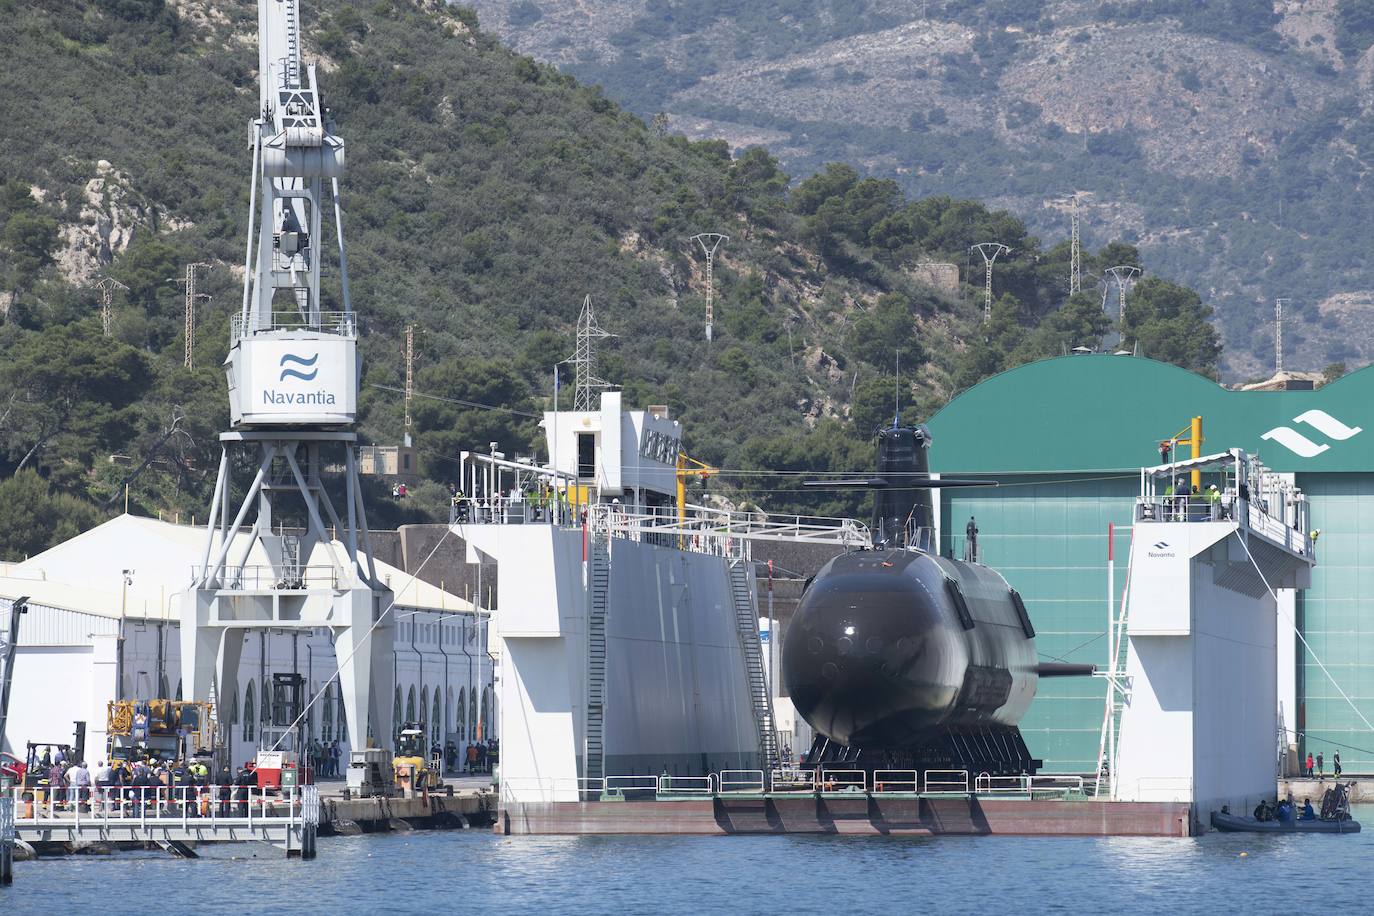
pixel 102 624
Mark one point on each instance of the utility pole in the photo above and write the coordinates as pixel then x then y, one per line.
pixel 1278 334
pixel 1075 252
pixel 709 242
pixel 107 286
pixel 192 297
pixel 584 358
pixel 990 252
pixel 1122 273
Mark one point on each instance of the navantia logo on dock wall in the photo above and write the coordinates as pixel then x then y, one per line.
pixel 1322 422
pixel 293 375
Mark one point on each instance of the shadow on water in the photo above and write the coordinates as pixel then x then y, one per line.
pixel 448 871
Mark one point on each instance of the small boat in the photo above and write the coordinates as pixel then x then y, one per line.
pixel 1233 823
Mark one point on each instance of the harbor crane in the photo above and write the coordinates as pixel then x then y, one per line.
pixel 293 378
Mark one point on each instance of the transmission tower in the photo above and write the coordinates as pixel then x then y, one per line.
pixel 584 358
pixel 709 242
pixel 1122 273
pixel 1075 252
pixel 107 286
pixel 192 297
pixel 410 375
pixel 1278 334
pixel 990 252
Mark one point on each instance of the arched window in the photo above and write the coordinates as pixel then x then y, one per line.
pixel 472 714
pixel 424 708
pixel 249 707
pixel 266 704
pixel 410 704
pixel 178 689
pixel 343 719
pixel 327 714
pixel 434 720
pixel 234 709
pixel 486 712
pixel 396 722
pixel 462 714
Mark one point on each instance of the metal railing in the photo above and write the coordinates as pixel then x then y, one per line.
pixel 896 782
pixel 343 324
pixel 96 806
pixel 264 577
pixel 741 782
pixel 801 782
pixel 847 781
pixel 955 781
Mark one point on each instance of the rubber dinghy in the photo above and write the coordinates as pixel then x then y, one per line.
pixel 1232 823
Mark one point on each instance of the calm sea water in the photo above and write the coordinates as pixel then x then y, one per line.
pixel 473 871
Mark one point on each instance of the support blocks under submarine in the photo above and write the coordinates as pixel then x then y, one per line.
pixel 902 659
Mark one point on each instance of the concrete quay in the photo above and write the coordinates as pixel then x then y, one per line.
pixel 1361 788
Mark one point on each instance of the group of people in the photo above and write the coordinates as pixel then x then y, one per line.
pixel 1320 768
pixel 1190 503
pixel 479 757
pixel 324 758
pixel 544 503
pixel 146 786
pixel 1285 810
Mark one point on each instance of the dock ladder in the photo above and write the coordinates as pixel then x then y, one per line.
pixel 747 625
pixel 599 577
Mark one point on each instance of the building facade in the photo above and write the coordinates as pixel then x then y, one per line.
pixel 1065 439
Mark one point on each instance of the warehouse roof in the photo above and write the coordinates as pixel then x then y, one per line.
pixel 1101 412
pixel 86 573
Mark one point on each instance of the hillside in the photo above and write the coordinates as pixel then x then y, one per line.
pixel 1231 141
pixel 486 195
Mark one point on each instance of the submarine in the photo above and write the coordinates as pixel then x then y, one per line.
pixel 901 658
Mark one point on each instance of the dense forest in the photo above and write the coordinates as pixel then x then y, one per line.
pixel 486 195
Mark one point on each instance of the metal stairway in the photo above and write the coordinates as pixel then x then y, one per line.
pixel 747 626
pixel 9 644
pixel 598 606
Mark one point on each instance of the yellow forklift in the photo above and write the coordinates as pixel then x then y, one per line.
pixel 415 771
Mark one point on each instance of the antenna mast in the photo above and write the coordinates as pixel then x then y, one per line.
pixel 107 286
pixel 990 252
pixel 709 242
pixel 584 358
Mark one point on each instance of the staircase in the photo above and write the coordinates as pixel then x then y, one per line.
pixel 599 603
pixel 747 626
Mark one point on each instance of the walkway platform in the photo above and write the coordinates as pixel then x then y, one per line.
pixel 176 819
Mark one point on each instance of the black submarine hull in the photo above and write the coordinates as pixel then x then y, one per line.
pixel 911 658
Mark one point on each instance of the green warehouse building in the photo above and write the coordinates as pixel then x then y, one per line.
pixel 1065 439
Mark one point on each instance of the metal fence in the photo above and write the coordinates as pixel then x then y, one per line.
pixel 789 781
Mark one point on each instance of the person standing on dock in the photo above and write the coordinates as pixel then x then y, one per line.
pixel 1309 765
pixel 1321 766
pixel 1336 764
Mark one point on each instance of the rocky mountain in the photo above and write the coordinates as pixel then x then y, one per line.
pixel 1230 140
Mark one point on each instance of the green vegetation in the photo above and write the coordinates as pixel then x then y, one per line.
pixel 487 194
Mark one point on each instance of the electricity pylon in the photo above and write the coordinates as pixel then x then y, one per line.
pixel 990 252
pixel 107 286
pixel 1122 273
pixel 709 242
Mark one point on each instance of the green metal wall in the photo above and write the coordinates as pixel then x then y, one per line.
pixel 1047 535
pixel 1337 623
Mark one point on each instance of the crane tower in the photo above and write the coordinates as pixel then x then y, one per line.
pixel 293 377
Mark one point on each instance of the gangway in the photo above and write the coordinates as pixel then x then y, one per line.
pixel 172 818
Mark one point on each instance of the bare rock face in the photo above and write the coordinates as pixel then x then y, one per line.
pixel 109 218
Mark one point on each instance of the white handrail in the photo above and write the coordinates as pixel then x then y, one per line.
pixel 886 782
pixel 687 785
pixel 792 781
pixel 741 781
pixel 843 781
pixel 946 781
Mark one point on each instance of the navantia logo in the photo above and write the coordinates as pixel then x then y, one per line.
pixel 1160 545
pixel 1304 447
pixel 292 372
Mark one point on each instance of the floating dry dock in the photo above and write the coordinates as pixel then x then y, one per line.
pixel 844 804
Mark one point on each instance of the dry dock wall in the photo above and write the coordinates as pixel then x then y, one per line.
pixel 862 815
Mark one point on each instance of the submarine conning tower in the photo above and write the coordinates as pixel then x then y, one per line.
pixel 902 514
